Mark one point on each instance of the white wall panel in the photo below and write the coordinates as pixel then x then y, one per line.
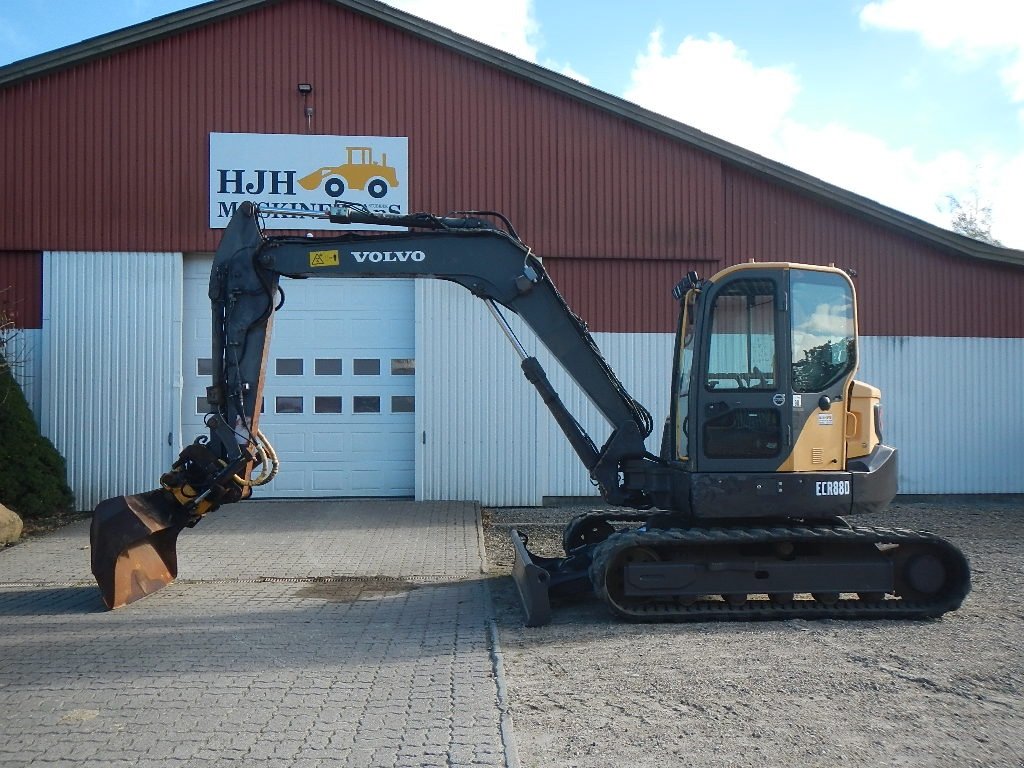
pixel 476 430
pixel 643 363
pixel 488 434
pixel 111 368
pixel 23 348
pixel 952 406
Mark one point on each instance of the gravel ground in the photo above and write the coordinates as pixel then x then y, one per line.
pixel 587 690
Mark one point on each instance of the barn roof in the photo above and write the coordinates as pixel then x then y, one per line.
pixel 207 13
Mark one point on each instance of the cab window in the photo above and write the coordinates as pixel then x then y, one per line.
pixel 742 348
pixel 824 335
pixel 685 370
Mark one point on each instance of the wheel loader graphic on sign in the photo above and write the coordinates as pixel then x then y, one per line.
pixel 360 171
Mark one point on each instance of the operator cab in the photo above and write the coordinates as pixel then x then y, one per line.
pixel 765 364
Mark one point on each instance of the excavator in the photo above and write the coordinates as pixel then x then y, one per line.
pixel 769 445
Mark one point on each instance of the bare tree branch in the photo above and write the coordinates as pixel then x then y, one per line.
pixel 972 219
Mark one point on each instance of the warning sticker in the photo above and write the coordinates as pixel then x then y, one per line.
pixel 323 259
pixel 825 418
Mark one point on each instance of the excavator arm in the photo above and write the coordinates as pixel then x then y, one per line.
pixel 491 263
pixel 133 537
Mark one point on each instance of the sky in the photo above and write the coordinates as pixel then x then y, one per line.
pixel 903 101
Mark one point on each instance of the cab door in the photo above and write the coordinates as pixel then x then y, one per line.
pixel 822 312
pixel 741 417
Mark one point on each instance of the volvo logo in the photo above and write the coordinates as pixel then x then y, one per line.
pixel 376 257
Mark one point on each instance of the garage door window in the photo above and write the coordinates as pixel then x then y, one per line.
pixel 403 404
pixel 366 367
pixel 404 366
pixel 365 404
pixel 327 405
pixel 288 405
pixel 327 366
pixel 289 366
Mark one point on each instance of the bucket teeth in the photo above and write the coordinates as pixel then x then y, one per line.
pixel 133 545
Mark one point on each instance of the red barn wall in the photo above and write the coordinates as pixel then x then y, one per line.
pixel 21 288
pixel 113 155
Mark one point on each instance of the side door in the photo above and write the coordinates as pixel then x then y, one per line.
pixel 741 419
pixel 824 360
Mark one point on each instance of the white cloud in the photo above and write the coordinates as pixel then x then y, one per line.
pixel 712 85
pixel 973 32
pixel 509 25
pixel 506 24
pixel 567 70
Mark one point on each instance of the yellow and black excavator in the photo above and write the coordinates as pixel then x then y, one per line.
pixel 770 442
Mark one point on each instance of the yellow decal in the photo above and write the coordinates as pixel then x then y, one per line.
pixel 323 258
pixel 360 171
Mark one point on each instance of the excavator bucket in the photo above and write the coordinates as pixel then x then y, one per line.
pixel 133 545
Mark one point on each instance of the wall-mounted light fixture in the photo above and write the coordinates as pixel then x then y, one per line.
pixel 305 89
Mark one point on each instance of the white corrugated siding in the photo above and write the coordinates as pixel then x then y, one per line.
pixel 476 431
pixel 952 406
pixel 23 349
pixel 643 363
pixel 482 431
pixel 111 368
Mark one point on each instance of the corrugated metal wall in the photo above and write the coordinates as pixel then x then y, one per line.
pixel 483 432
pixel 643 363
pixel 129 133
pixel 23 350
pixel 904 287
pixel 21 288
pixel 113 321
pixel 488 436
pixel 622 210
pixel 475 437
pixel 952 407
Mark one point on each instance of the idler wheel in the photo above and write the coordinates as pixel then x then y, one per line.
pixel 615 578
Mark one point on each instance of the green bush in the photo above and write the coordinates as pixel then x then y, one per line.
pixel 32 472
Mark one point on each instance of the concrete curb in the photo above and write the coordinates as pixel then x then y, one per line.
pixel 508 737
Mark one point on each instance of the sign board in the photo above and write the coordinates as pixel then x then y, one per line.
pixel 306 173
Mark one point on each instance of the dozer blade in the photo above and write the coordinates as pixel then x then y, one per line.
pixel 133 545
pixel 539 579
pixel 532 582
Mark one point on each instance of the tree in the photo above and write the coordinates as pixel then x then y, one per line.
pixel 32 472
pixel 972 219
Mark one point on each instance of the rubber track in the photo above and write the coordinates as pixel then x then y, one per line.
pixel 645 609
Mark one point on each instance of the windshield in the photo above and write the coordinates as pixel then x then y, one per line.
pixel 824 330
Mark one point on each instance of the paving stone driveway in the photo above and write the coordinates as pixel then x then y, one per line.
pixel 298 634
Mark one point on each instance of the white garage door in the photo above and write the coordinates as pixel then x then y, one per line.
pixel 338 399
